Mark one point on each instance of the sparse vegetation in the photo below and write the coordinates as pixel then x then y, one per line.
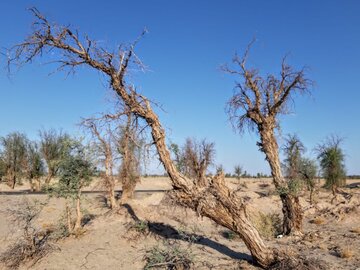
pixel 75 174
pixel 257 103
pixel 171 256
pixel 33 243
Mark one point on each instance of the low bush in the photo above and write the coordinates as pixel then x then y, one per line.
pixel 171 257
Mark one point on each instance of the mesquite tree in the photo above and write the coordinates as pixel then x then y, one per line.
pixel 293 150
pixel 53 147
pixel 308 172
pixel 215 200
pixel 257 103
pixel 13 156
pixel 75 173
pixel 332 165
pixel 34 165
pixel 238 171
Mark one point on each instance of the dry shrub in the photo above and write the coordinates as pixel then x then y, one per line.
pixel 318 220
pixel 230 235
pixel 25 250
pixel 171 257
pixel 345 252
pixel 300 263
pixel 33 243
pixel 268 225
pixel 137 229
pixel 264 185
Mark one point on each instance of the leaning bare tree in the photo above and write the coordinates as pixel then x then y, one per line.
pixel 257 104
pixel 214 200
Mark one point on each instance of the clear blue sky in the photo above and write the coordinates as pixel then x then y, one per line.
pixel 186 44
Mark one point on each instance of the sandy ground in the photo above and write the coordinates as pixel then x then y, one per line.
pixel 107 242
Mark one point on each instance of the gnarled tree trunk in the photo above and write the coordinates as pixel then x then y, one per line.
pixel 214 201
pixel 291 208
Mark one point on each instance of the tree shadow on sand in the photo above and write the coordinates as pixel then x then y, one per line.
pixel 169 232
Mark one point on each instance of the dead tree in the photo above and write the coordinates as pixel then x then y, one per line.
pixel 198 156
pixel 257 103
pixel 105 148
pixel 129 148
pixel 214 200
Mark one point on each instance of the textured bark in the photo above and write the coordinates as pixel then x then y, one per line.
pixel 291 208
pixel 78 212
pixel 129 170
pixel 214 201
pixel 106 150
pixel 109 179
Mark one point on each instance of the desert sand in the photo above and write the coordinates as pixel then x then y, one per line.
pixel 109 242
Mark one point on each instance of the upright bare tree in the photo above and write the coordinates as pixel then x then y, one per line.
pixel 129 148
pixel 198 156
pixel 257 104
pixel 215 200
pixel 104 144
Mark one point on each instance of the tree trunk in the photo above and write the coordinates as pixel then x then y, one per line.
pixel 68 217
pixel 128 189
pixel 214 201
pixel 292 211
pixel 11 179
pixel 311 196
pixel 129 167
pixel 109 180
pixel 202 181
pixel 78 212
pixel 38 184
pixel 32 184
pixel 49 176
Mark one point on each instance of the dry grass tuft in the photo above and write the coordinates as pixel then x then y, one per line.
pixel 268 225
pixel 318 221
pixel 355 230
pixel 346 253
